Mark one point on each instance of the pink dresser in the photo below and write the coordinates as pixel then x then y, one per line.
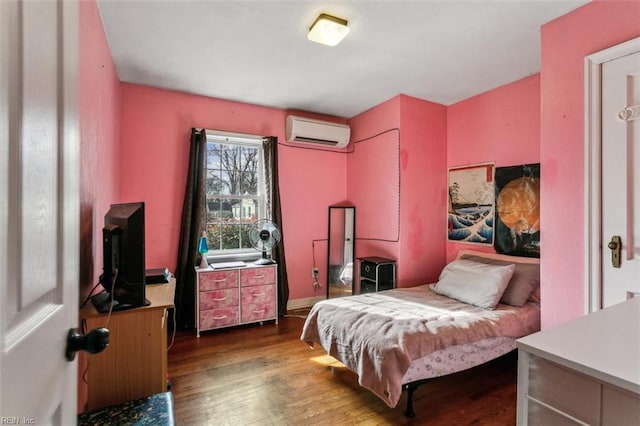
pixel 229 297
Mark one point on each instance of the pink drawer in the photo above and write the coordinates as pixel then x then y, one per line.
pixel 259 294
pixel 258 303
pixel 258 311
pixel 217 280
pixel 218 298
pixel 257 276
pixel 215 318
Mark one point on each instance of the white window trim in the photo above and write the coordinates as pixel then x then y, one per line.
pixel 231 138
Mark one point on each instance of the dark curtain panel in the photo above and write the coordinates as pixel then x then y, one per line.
pixel 270 146
pixel 191 228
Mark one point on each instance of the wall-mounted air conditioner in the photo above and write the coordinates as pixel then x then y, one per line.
pixel 307 130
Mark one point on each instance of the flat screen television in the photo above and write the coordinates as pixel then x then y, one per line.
pixel 123 275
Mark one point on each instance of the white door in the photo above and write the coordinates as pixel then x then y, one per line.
pixel 620 178
pixel 39 210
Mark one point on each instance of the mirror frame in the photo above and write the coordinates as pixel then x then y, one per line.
pixel 340 244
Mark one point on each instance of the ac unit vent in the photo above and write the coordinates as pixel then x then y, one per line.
pixel 313 140
pixel 310 131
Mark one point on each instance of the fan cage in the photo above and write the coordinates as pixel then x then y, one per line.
pixel 264 235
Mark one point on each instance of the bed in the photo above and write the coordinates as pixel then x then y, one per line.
pixel 397 339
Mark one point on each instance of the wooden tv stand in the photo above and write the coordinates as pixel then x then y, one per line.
pixel 135 363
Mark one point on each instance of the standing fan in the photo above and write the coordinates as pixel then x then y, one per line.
pixel 264 235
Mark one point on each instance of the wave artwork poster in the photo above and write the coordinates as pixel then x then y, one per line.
pixel 471 204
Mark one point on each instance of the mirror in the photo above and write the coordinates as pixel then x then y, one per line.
pixel 341 251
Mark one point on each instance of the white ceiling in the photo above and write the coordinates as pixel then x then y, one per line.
pixel 256 51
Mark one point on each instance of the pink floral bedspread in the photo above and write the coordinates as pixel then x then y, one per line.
pixel 378 335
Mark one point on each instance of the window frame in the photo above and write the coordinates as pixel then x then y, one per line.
pixel 247 140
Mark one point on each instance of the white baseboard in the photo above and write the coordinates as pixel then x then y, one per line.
pixel 303 303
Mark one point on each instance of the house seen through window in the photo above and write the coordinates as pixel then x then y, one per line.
pixel 234 191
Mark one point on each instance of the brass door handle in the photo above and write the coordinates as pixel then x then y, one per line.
pixel 616 247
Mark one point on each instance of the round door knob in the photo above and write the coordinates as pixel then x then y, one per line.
pixel 93 342
pixel 612 245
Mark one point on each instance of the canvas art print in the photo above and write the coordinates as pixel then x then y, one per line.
pixel 518 210
pixel 471 204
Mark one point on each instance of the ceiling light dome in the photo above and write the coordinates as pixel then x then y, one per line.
pixel 328 30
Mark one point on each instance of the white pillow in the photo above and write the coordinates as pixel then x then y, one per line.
pixel 474 283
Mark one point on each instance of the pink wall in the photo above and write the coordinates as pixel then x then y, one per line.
pixel 154 156
pixel 501 126
pixel 566 41
pixel 423 181
pixel 394 177
pixel 311 180
pixel 99 118
pixel 373 179
pixel 99 108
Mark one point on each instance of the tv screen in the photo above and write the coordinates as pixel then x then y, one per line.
pixel 123 258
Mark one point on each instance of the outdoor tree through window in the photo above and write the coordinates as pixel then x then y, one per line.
pixel 234 197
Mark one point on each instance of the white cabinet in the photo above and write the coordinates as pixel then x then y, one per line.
pixel 234 296
pixel 584 372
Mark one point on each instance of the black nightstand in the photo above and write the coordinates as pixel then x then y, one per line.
pixel 377 274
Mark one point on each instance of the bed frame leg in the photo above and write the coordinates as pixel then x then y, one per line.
pixel 409 413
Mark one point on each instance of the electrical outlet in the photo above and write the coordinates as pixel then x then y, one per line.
pixel 314 272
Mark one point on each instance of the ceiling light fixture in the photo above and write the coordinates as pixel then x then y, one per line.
pixel 328 30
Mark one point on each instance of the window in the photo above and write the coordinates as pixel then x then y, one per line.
pixel 234 191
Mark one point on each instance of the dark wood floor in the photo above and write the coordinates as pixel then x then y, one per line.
pixel 264 375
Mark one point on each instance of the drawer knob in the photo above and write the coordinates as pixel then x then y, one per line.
pixel 220 318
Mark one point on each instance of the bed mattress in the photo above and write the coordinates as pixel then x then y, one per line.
pixel 398 336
